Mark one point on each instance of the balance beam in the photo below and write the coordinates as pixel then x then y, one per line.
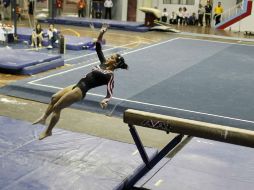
pixel 190 127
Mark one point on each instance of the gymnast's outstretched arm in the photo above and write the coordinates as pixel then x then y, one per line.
pixel 98 44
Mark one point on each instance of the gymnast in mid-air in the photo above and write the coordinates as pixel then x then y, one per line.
pixel 102 74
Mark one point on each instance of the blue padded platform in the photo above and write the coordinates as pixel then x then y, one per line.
pixel 66 160
pixel 18 59
pixel 75 21
pixel 77 43
pixel 204 164
pixel 27 62
pixel 72 42
pixel 24 33
pixel 34 69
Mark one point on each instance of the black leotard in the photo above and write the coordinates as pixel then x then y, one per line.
pixel 98 76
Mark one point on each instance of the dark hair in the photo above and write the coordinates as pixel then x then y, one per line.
pixel 121 62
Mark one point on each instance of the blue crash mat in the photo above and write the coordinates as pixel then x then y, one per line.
pixel 17 59
pixel 72 42
pixel 204 164
pixel 66 160
pixel 115 24
pixel 77 43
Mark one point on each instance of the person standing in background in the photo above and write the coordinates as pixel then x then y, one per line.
pixel 179 17
pixel 81 8
pixel 18 12
pixel 208 14
pixel 59 7
pixel 201 12
pixel 31 12
pixel 1 10
pixel 98 11
pixel 6 4
pixel 108 4
pixel 217 13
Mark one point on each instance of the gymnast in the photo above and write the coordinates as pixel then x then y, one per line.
pixel 102 74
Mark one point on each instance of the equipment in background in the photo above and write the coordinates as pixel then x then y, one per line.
pixel 62 45
pixel 163 27
pixel 151 14
pixel 152 17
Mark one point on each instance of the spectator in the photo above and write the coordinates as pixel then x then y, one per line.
pixel 208 14
pixel 185 16
pixel 98 12
pixel 6 33
pixel 31 11
pixel 37 36
pixel 1 10
pixel 193 19
pixel 81 8
pixel 201 12
pixel 108 4
pixel 31 7
pixel 179 17
pixel 217 13
pixel 173 18
pixel 52 35
pixel 164 15
pixel 6 4
pixel 59 7
pixel 18 12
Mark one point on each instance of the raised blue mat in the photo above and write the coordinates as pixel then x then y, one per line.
pixel 75 21
pixel 72 42
pixel 34 69
pixel 77 43
pixel 17 59
pixel 66 160
pixel 204 164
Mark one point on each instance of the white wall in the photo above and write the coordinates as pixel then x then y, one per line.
pixel 117 9
pixel 124 10
pixel 245 24
pixel 120 8
pixel 226 4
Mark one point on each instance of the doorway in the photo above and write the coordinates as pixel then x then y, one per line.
pixel 132 10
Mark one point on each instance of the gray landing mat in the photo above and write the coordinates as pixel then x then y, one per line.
pixel 66 160
pixel 204 164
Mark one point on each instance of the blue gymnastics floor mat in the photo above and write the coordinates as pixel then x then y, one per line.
pixel 66 160
pixel 204 164
pixel 211 82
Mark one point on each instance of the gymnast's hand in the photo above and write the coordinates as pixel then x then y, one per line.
pixel 103 104
pixel 104 28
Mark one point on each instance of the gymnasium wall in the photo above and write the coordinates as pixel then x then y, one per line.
pixel 245 24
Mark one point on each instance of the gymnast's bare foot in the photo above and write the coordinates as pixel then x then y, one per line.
pixel 40 121
pixel 44 134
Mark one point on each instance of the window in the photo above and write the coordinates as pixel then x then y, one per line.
pixel 179 2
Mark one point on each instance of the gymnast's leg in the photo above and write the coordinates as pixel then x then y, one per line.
pixel 54 99
pixel 66 100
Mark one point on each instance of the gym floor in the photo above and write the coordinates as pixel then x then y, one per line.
pixel 94 123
